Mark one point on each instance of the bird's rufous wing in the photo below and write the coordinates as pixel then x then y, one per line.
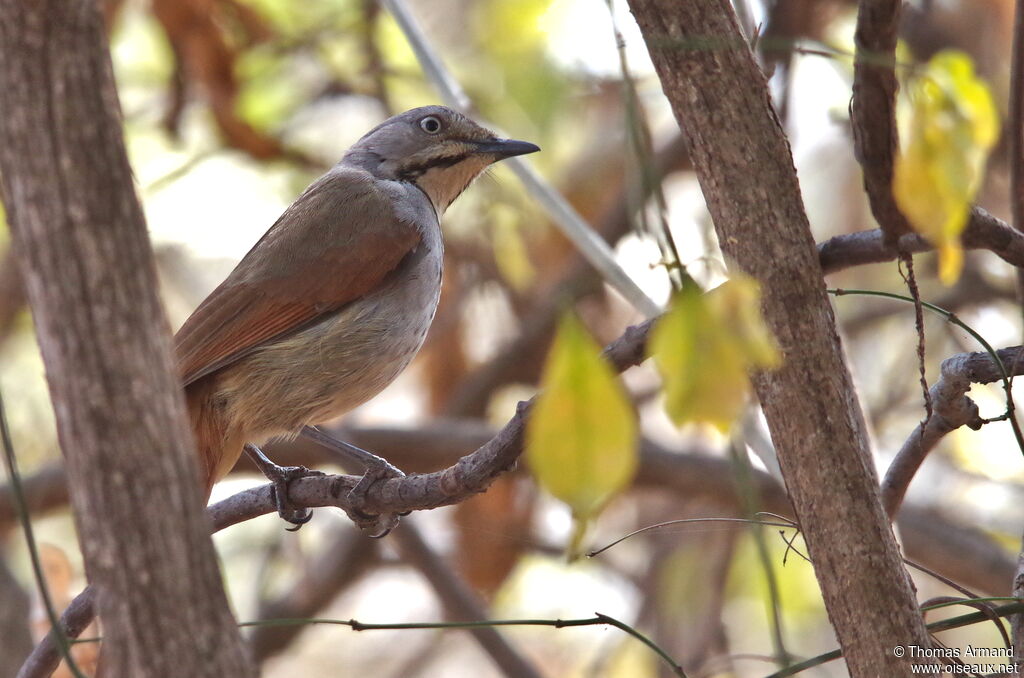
pixel 337 242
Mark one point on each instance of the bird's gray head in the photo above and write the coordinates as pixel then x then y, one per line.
pixel 434 147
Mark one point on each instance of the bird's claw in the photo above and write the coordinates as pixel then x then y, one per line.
pixel 281 477
pixel 377 525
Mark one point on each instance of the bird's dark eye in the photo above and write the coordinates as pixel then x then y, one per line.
pixel 430 124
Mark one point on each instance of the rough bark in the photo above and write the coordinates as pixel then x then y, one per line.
pixel 79 234
pixel 745 168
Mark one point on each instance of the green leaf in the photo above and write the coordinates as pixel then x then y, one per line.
pixel 582 432
pixel 704 347
pixel 953 126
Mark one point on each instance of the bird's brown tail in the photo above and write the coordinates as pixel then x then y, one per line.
pixel 215 446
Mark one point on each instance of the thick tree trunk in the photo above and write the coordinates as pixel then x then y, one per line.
pixel 745 167
pixel 80 236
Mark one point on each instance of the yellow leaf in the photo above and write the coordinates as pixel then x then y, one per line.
pixel 582 432
pixel 737 305
pixel 704 346
pixel 953 126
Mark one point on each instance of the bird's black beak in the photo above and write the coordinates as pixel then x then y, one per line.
pixel 506 148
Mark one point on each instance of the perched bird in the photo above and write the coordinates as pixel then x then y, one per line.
pixel 336 298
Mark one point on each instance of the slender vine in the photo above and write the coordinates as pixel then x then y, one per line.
pixel 1005 377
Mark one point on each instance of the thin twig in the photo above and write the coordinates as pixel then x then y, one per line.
pixel 970 595
pixel 597 620
pixel 344 556
pixel 684 521
pixel 983 605
pixel 1004 375
pixel 945 580
pixel 789 541
pixel 972 289
pixel 461 602
pixel 907 260
pixel 953 408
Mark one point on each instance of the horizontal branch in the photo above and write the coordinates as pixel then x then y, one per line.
pixel 983 232
pixel 470 475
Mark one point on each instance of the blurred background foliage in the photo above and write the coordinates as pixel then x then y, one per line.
pixel 232 107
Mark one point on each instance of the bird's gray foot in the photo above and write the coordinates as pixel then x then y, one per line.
pixel 377 469
pixel 377 525
pixel 281 477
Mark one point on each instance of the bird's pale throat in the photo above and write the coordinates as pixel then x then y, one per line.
pixel 448 177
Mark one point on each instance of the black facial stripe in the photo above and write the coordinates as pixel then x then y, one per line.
pixel 411 172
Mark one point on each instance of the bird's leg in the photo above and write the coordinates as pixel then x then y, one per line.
pixel 377 468
pixel 281 477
